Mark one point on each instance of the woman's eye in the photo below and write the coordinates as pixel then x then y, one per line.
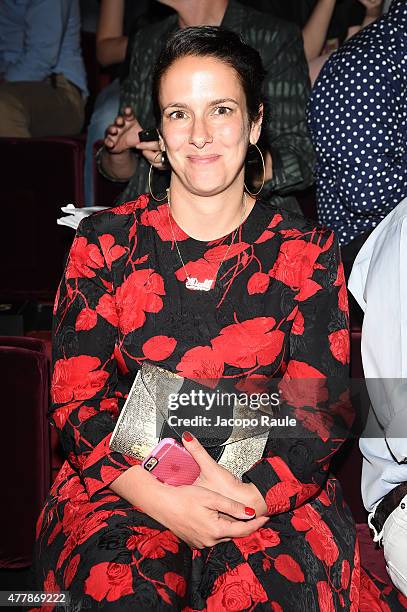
pixel 177 115
pixel 222 110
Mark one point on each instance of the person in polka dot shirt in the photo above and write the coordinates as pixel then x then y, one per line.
pixel 357 115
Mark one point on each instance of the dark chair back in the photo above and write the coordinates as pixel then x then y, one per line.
pixel 24 449
pixel 39 176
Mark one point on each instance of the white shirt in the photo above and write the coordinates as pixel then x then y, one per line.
pixel 379 284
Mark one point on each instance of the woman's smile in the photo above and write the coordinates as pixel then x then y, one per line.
pixel 203 159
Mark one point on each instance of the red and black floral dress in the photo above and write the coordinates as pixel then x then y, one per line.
pixel 279 308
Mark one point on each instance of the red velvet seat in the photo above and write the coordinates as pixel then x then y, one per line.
pixel 24 450
pixel 57 457
pixel 39 176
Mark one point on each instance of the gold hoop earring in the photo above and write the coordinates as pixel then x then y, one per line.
pixel 163 162
pixel 254 194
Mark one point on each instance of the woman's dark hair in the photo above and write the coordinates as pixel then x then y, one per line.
pixel 221 44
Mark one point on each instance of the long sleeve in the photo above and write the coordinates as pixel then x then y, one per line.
pixel 287 90
pixel 314 389
pixel 357 112
pixel 379 271
pixel 84 390
pixel 371 179
pixel 45 24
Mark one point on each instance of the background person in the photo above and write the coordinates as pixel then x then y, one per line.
pixel 378 284
pixel 357 113
pixel 118 21
pixel 318 45
pixel 43 89
pixel 325 24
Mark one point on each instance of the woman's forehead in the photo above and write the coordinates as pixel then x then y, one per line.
pixel 200 77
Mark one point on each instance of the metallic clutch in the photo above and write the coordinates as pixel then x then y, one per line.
pixel 146 417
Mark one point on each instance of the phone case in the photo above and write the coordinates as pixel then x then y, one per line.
pixel 149 135
pixel 171 463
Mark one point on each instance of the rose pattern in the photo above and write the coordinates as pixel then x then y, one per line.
pixel 340 345
pixel 279 310
pixel 109 581
pixel 140 293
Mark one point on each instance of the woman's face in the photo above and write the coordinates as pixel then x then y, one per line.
pixel 205 128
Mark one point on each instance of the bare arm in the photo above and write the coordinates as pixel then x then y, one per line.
pixel 118 159
pixel 315 30
pixel 111 45
pixel 121 166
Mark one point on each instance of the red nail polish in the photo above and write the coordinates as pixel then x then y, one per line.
pixel 187 436
pixel 249 511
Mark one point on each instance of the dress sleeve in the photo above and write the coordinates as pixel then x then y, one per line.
pixel 314 390
pixel 287 89
pixel 83 391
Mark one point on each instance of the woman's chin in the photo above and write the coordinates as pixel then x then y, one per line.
pixel 206 185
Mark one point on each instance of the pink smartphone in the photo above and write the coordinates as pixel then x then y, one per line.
pixel 171 463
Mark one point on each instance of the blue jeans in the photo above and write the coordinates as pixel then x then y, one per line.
pixel 104 113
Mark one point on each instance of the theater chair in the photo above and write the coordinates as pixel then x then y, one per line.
pixel 39 176
pixel 55 449
pixel 24 448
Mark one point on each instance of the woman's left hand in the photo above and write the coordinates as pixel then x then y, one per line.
pixel 218 479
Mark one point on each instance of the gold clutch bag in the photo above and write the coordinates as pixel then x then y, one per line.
pixel 148 415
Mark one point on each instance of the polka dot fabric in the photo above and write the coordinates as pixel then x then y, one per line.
pixel 357 115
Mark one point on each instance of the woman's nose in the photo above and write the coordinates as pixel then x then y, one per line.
pixel 200 134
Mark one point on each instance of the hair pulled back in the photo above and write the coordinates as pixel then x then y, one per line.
pixel 221 44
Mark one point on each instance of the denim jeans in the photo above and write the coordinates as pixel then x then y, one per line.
pixel 105 111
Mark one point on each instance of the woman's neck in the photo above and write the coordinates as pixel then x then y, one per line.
pixel 209 217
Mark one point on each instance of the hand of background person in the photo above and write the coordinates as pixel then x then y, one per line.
pixel 218 479
pixel 122 135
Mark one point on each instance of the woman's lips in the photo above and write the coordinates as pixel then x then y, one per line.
pixel 203 159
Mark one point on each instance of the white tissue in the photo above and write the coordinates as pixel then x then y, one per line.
pixel 75 215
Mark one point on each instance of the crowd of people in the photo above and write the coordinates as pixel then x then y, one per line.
pixel 218 114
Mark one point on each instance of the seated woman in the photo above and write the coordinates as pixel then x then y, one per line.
pixel 211 283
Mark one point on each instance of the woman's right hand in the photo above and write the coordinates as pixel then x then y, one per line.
pixel 122 135
pixel 193 514
pixel 196 515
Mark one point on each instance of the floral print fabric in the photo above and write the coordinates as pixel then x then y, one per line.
pixel 278 309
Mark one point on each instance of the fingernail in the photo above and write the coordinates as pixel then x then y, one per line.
pixel 249 511
pixel 187 436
